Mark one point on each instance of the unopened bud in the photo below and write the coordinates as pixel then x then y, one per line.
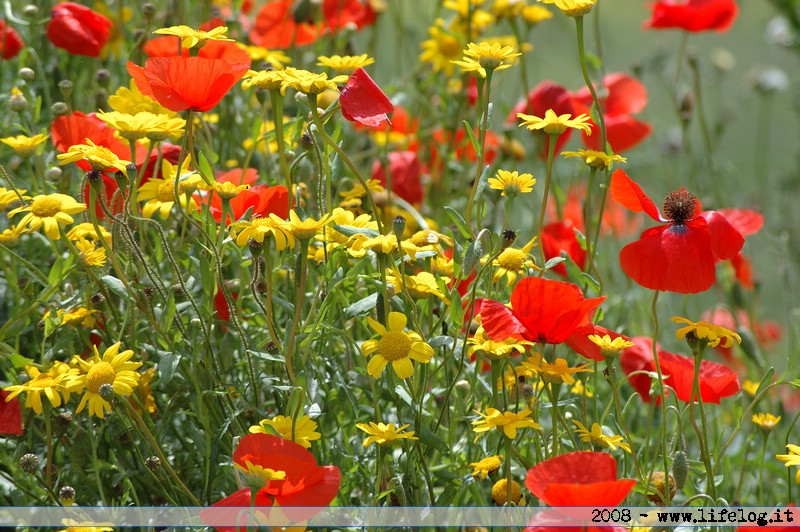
pixel 67 495
pixel 29 463
pixel 152 463
pixel 65 86
pixel 27 74
pixel 106 391
pixel 59 109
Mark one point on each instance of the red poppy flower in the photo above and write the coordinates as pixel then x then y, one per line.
pixel 77 29
pixel 680 255
pixel 558 237
pixel 544 311
pixel 262 199
pixel 716 381
pixel 276 26
pixel 626 96
pixel 305 483
pixel 75 128
pixel 406 173
pixel 640 358
pixel 10 41
pixel 169 45
pixel 582 478
pixel 693 15
pixel 10 415
pixel 580 343
pixel 363 101
pixel 180 83
pixel 550 520
pixel 546 95
pixel 340 14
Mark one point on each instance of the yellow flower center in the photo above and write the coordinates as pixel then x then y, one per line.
pixel 512 259
pixel 394 345
pixel 46 207
pixel 101 154
pixel 100 374
pixel 449 46
pixel 166 191
pixel 43 380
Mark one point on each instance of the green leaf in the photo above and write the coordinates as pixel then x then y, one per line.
pixel 552 263
pixel 362 306
pixel 267 356
pixel 403 394
pixel 472 256
pixel 459 220
pixel 766 380
pixel 204 166
pixel 116 286
pixel 482 182
pixel 167 366
pixel 431 439
pixel 349 230
pixel 471 135
pixel 590 281
pixel 19 361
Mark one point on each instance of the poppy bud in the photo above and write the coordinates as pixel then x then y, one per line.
pixel 27 74
pixel 67 495
pixel 680 468
pixel 152 463
pixel 78 30
pixel 59 109
pixel 65 86
pixel 54 174
pixel 29 463
pixel 17 101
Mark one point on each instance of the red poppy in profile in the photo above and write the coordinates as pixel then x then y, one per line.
pixel 558 237
pixel 276 26
pixel 406 174
pixel 10 41
pixel 363 101
pixel 639 358
pixel 340 14
pixel 304 483
pixel 543 311
pixel 580 343
pixel 10 415
pixel 716 381
pixel 262 199
pixel 546 95
pixel 77 29
pixel 582 478
pixel 169 45
pixel 181 83
pixel 625 97
pixel 680 255
pixel 693 15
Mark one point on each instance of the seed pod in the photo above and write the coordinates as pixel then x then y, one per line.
pixel 680 469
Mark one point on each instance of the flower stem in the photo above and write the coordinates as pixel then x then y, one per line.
pixel 551 151
pixel 277 107
pixel 485 98
pixel 598 108
pixel 661 394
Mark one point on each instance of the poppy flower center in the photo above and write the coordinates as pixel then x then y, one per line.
pixel 46 207
pixel 511 259
pixel 394 345
pixel 100 374
pixel 680 206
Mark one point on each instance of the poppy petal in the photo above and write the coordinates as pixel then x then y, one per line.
pixel 746 221
pixel 640 358
pixel 623 132
pixel 580 343
pixel 610 493
pixel 499 321
pixel 726 241
pixel 10 415
pixel 629 194
pixel 674 258
pixel 716 380
pixel 363 101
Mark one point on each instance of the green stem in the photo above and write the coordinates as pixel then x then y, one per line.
pixel 661 394
pixel 612 381
pixel 585 71
pixel 277 107
pixel 485 99
pixel 551 151
pixel 300 292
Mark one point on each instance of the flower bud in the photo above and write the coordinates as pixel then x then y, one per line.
pixel 27 74
pixel 17 102
pixel 29 463
pixel 59 109
pixel 65 86
pixel 106 391
pixel 152 463
pixel 67 495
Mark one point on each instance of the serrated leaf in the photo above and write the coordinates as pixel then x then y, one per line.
pixel 19 361
pixel 116 286
pixel 361 306
pixel 459 221
pixel 431 439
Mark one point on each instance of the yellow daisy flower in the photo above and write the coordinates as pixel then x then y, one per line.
pixel 766 421
pixel 270 80
pixel 345 63
pixel 49 211
pixel 395 345
pixel 90 253
pixel 500 492
pixel 512 183
pixel 302 431
pixel 513 262
pixel 86 231
pixel 10 235
pixel 303 229
pixel 84 526
pixel 383 434
pixel 50 383
pixel 23 145
pixel 487 465
pixel 443 47
pixel 226 190
pixel 131 101
pixel 554 124
pixel 556 372
pixel 506 421
pixel 155 127
pixel 114 373
pixel 572 8
pixel 309 82
pixel 258 228
pixel 608 347
pixel 99 157
pixel 535 14
pixel 712 335
pixel 77 316
pixel 594 158
pixel 486 56
pixel 276 58
pixel 600 440
pixel 494 349
pixel 791 459
pixel 418 286
pixel 191 37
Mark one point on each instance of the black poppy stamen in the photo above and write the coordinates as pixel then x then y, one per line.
pixel 680 206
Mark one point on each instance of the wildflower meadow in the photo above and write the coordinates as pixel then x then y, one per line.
pixel 459 254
